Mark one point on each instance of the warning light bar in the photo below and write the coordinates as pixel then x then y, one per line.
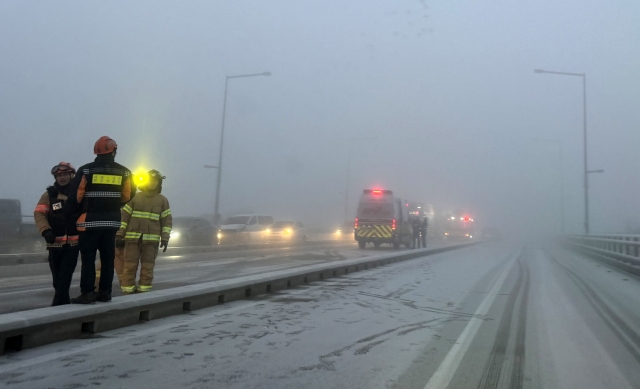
pixel 377 192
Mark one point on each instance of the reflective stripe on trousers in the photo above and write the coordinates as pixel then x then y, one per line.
pixel 138 252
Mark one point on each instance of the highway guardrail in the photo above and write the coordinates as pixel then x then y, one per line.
pixel 621 250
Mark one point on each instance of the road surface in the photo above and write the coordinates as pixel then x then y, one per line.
pixel 488 316
pixel 24 287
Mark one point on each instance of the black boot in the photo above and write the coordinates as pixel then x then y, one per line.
pixel 85 298
pixel 103 296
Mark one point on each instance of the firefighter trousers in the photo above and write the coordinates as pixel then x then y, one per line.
pixel 62 262
pixel 118 265
pixel 143 253
pixel 90 243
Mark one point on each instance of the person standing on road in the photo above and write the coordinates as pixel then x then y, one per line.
pixel 423 231
pixel 98 191
pixel 146 222
pixel 59 232
pixel 415 226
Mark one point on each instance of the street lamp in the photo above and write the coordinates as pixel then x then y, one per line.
pixel 346 192
pixel 212 167
pixel 224 111
pixel 584 122
pixel 561 158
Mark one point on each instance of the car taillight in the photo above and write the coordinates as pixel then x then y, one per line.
pixel 355 225
pixel 393 224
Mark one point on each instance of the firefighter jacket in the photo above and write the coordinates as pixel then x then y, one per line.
pixel 147 216
pixel 49 214
pixel 98 191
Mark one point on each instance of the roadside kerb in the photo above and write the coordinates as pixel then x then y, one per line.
pixel 37 327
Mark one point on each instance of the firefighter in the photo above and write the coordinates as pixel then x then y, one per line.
pixel 59 232
pixel 415 226
pixel 423 231
pixel 98 192
pixel 146 222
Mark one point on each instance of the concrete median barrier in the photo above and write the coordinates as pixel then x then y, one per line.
pixel 29 329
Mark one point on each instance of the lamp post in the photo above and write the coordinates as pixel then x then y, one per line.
pixel 224 111
pixel 212 167
pixel 561 172
pixel 584 122
pixel 349 154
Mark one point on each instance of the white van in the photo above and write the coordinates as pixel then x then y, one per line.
pixel 245 229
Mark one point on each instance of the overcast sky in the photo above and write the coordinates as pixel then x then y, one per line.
pixel 438 98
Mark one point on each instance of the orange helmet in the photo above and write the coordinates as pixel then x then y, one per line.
pixel 104 145
pixel 63 167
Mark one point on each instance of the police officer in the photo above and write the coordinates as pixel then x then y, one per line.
pixel 423 231
pixel 415 226
pixel 99 190
pixel 59 232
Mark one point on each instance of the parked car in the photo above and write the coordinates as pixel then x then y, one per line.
pixel 345 231
pixel 192 231
pixel 283 231
pixel 245 229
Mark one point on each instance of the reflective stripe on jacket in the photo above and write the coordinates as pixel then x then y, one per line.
pixel 49 214
pixel 147 216
pixel 98 191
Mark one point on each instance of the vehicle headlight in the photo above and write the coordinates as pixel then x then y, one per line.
pixel 287 231
pixel 219 235
pixel 338 232
pixel 267 231
pixel 174 234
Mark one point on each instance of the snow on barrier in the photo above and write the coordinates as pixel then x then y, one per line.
pixel 37 327
pixel 622 251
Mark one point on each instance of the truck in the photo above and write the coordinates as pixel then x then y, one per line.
pixel 381 218
pixel 18 232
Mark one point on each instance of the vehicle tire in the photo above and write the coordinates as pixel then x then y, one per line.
pixel 396 245
pixel 362 243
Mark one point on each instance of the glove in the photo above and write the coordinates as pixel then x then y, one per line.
pixel 49 236
pixel 119 242
pixel 163 245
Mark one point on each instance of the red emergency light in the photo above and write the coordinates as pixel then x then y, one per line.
pixel 355 224
pixel 376 192
pixel 466 218
pixel 393 224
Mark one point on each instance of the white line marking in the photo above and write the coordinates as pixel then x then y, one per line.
pixel 443 375
pixel 26 291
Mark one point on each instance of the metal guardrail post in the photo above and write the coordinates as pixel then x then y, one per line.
pixel 636 249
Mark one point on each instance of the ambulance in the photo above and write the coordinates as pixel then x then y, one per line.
pixel 382 218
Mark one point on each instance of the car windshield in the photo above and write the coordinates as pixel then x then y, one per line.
pixel 238 220
pixel 182 222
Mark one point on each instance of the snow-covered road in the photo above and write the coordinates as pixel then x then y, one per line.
pixel 480 317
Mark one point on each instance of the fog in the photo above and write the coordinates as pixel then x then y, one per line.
pixel 438 100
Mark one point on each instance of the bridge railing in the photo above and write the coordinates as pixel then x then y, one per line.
pixel 624 248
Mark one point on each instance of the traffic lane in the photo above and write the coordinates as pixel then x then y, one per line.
pixel 558 321
pixel 20 293
pixel 358 331
pixel 42 269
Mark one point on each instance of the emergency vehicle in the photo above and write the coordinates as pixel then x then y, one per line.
pixel 459 226
pixel 382 218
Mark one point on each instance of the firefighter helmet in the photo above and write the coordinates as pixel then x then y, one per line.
pixel 154 174
pixel 63 167
pixel 104 145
